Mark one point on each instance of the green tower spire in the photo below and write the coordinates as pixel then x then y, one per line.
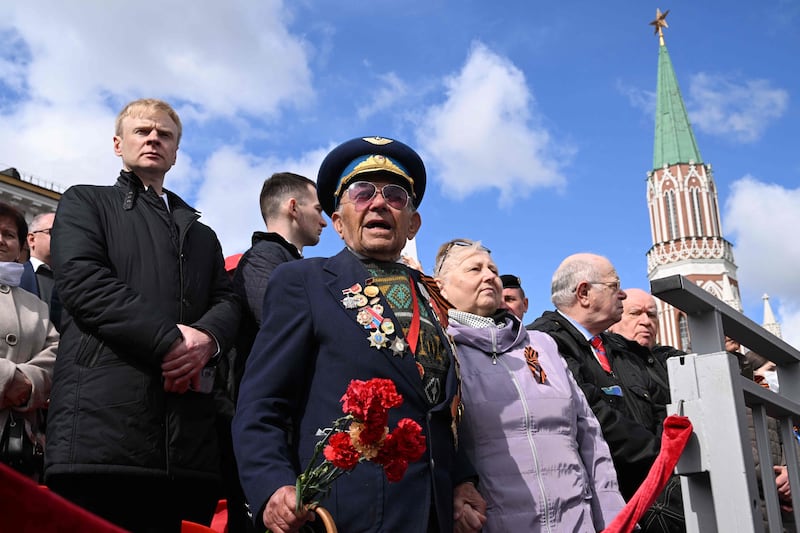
pixel 674 140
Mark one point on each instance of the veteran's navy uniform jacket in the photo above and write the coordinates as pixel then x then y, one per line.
pixel 309 348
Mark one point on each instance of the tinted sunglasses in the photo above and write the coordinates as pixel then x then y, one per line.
pixel 361 193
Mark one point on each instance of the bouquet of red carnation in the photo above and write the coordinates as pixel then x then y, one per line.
pixel 362 435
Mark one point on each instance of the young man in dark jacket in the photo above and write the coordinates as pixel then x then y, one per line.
pixel 131 432
pixel 293 217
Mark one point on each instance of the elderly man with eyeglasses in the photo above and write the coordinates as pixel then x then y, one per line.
pixel 627 402
pixel 38 274
pixel 358 315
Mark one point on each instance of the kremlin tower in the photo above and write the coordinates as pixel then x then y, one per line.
pixel 684 209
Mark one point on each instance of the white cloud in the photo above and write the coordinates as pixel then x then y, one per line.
pixel 232 57
pixel 790 323
pixel 741 109
pixel 763 219
pixel 72 70
pixel 393 89
pixel 639 98
pixel 228 197
pixel 487 133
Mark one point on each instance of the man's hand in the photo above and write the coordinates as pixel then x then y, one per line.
pixel 782 484
pixel 18 391
pixel 279 515
pixel 185 359
pixel 469 509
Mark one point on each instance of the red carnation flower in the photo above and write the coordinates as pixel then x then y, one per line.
pixel 370 401
pixel 340 451
pixel 409 440
pixel 362 435
pixel 395 470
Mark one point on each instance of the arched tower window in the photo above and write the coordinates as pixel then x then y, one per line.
pixel 672 215
pixel 715 216
pixel 696 213
pixel 683 329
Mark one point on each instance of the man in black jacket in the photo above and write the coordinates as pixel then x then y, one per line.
pixel 131 433
pixel 293 217
pixel 626 401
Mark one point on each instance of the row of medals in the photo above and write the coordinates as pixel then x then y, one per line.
pixel 370 315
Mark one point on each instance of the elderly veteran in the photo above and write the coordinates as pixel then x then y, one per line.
pixel 537 447
pixel 358 315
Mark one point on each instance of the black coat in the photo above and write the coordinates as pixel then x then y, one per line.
pixel 622 401
pixel 250 283
pixel 127 271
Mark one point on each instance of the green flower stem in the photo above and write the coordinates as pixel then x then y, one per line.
pixel 316 480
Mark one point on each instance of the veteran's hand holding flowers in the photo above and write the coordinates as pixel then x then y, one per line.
pixel 361 435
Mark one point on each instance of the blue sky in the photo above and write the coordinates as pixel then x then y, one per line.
pixel 535 119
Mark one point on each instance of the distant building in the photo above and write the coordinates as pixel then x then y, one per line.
pixel 28 194
pixel 769 323
pixel 684 209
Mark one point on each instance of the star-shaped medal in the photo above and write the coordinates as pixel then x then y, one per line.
pixel 349 302
pixel 398 347
pixel 377 339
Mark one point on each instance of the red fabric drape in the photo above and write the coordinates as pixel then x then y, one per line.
pixel 677 430
pixel 26 507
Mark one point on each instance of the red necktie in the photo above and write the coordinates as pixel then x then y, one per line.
pixel 597 343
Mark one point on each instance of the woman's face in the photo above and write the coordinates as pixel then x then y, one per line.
pixel 472 284
pixel 9 240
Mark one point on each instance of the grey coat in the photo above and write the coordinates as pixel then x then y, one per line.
pixel 537 448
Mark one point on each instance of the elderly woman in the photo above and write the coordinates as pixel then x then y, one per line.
pixel 537 447
pixel 28 343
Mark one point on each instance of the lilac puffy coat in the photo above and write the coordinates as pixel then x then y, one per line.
pixel 538 449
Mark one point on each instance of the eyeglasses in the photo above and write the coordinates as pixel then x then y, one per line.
pixel 613 285
pixel 456 242
pixel 45 231
pixel 361 193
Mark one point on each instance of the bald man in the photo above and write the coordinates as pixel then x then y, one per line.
pixel 636 332
pixel 639 320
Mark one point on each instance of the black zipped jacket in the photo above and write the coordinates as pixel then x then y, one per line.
pixel 128 270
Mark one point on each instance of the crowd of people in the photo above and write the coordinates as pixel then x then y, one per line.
pixel 174 382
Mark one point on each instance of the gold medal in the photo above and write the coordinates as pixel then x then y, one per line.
pixel 371 291
pixel 387 326
pixel 360 300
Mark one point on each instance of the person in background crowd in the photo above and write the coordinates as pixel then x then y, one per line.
pixel 131 430
pixel 639 327
pixel 514 298
pixel 27 353
pixel 627 402
pixel 537 447
pixel 38 275
pixel 293 217
pixel 358 315
pixel 756 367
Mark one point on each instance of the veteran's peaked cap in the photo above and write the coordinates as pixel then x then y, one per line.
pixel 368 156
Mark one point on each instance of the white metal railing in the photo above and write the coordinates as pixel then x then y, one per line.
pixel 717 470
